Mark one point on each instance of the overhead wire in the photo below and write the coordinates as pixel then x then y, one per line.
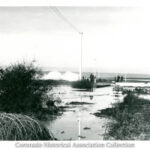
pixel 59 13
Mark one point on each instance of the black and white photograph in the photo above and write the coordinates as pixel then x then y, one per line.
pixel 74 73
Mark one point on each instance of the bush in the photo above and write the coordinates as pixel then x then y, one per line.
pixel 82 84
pixel 20 88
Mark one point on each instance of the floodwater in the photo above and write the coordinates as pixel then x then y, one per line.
pixel 78 121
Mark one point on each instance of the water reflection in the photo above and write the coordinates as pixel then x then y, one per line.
pixel 78 121
pixel 91 97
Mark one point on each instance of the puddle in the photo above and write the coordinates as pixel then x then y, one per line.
pixel 80 123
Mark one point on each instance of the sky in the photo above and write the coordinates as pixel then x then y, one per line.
pixel 115 39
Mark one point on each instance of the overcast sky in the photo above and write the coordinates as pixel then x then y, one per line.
pixel 115 39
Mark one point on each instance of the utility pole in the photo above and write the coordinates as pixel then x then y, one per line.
pixel 81 57
pixel 73 27
pixel 58 12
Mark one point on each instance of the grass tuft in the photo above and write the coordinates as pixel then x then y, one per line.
pixel 22 127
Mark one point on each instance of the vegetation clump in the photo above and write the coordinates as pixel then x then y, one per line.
pixel 22 127
pixel 82 84
pixel 21 89
pixel 131 119
pixel 22 93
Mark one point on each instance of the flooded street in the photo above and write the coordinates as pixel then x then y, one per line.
pixel 78 121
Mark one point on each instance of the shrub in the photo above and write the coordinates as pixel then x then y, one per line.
pixel 20 88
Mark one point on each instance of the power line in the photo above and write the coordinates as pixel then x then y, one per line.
pixel 58 12
pixel 60 15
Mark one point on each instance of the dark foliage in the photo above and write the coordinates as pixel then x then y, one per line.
pixel 20 88
pixel 56 82
pixel 82 84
